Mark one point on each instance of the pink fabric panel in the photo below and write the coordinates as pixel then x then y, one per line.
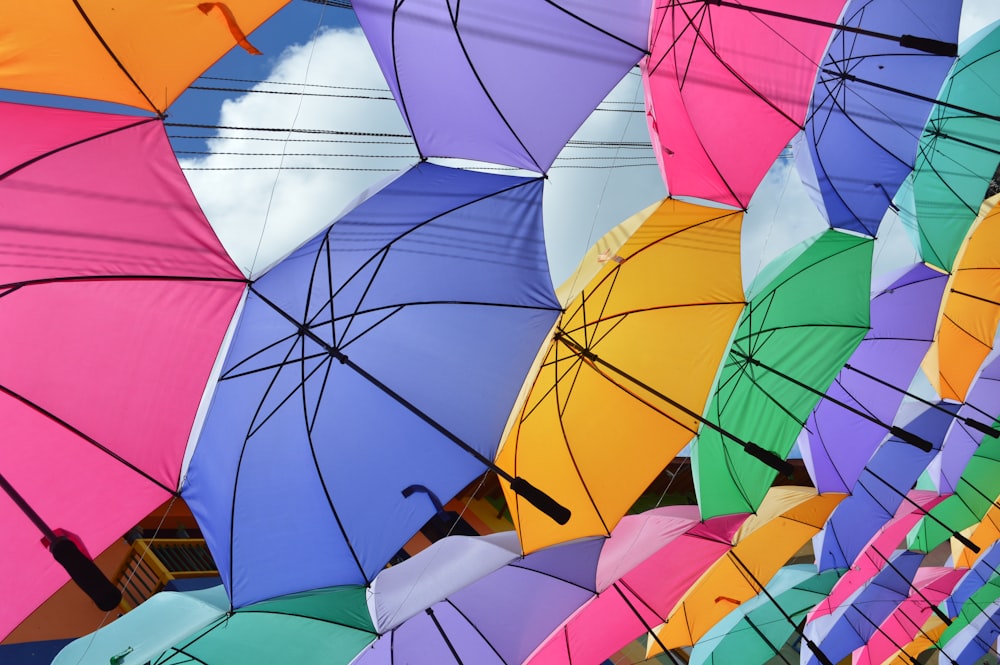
pixel 880 547
pixel 727 89
pixel 907 621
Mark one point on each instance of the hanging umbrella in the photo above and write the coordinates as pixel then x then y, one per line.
pixel 148 630
pixel 116 52
pixel 971 310
pixel 677 281
pixel 876 552
pixel 807 313
pixel 982 570
pixel 509 83
pixel 783 523
pixel 975 631
pixel 369 378
pixel 498 618
pixel 116 298
pixel 646 565
pixel 958 150
pixel 903 312
pixel 727 86
pixel 876 496
pixel 755 631
pixel 857 620
pixel 870 104
pixel 931 585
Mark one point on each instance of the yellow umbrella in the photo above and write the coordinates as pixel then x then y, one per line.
pixel 970 309
pixel 646 334
pixel 785 521
pixel 140 53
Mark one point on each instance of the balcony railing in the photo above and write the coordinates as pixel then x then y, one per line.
pixel 153 564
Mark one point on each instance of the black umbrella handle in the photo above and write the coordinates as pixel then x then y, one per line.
pixel 540 500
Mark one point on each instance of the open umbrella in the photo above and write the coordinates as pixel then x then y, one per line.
pixel 642 341
pixel 369 379
pixel 784 522
pixel 509 83
pixel 755 631
pixel 646 565
pixel 870 104
pixel 727 87
pixel 974 631
pixel 115 52
pixel 116 297
pixel 957 157
pixel 808 311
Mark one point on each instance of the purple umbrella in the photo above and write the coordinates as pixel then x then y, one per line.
pixel 497 619
pixel 903 317
pixel 504 82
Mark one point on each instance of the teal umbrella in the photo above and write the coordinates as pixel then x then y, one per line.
pixel 755 631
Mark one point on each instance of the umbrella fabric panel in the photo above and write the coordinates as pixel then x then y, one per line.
pixel 862 139
pixel 675 282
pixel 503 84
pixel 975 639
pixel 436 301
pixel 903 315
pixel 957 156
pixel 803 323
pixel 726 89
pixel 975 577
pixel 328 626
pixel 114 52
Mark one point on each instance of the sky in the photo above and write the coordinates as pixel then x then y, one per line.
pixel 265 197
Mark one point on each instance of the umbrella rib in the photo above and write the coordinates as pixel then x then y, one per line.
pixel 396 6
pixel 444 635
pixel 121 66
pixel 760 634
pixel 645 624
pixel 229 373
pixel 13 286
pixel 93 442
pixel 641 50
pixel 54 151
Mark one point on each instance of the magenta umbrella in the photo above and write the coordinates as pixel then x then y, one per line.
pixel 727 88
pixel 646 566
pixel 115 297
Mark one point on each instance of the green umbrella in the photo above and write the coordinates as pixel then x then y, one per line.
pixel 959 150
pixel 327 626
pixel 755 631
pixel 807 312
pixel 972 608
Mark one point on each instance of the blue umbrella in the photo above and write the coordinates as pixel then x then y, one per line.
pixel 973 580
pixel 369 380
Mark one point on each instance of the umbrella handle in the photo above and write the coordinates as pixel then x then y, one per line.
pixel 540 500
pixel 85 573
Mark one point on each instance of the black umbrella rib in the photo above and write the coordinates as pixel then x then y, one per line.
pixel 762 636
pixel 926 44
pixel 645 624
pixel 121 66
pixel 93 442
pixel 518 485
pixel 762 454
pixel 118 278
pixel 598 28
pixel 54 151
pixel 396 6
pixel 895 430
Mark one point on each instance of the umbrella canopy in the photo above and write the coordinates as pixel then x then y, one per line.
pixel 870 104
pixel 970 312
pixel 150 629
pixel 370 376
pixel 727 88
pixel 958 149
pixel 975 631
pixel 931 585
pixel 114 52
pixel 116 297
pixel 509 83
pixel 646 565
pixel 676 281
pixel 876 496
pixel 984 568
pixel 808 312
pixel 754 632
pixel 903 313
pixel 329 625
pixel 499 618
pixel 785 521
pixel 857 620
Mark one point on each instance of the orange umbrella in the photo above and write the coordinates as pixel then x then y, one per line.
pixel 140 53
pixel 646 334
pixel 785 521
pixel 970 309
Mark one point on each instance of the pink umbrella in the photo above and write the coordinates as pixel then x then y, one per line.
pixel 727 88
pixel 115 297
pixel 646 565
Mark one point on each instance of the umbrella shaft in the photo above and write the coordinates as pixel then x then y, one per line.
pixel 28 511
